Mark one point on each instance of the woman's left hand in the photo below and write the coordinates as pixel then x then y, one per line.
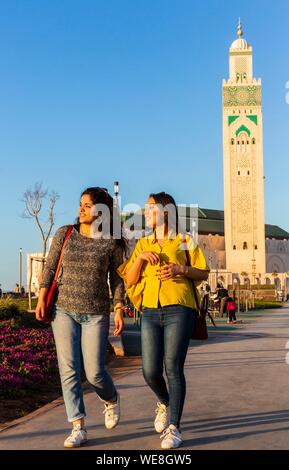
pixel 119 323
pixel 168 271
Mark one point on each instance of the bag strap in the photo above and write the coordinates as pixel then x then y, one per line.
pixel 67 235
pixel 193 284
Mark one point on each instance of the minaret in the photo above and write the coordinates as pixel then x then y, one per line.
pixel 243 163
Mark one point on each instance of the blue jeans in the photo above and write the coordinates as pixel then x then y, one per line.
pixel 165 336
pixel 81 340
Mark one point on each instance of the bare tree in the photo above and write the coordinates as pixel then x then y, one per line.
pixel 34 199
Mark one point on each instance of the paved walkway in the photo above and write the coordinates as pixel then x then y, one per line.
pixel 237 398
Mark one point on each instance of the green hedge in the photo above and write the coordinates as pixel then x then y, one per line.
pixel 262 304
pixel 255 287
pixel 9 309
pixel 263 287
pixel 16 310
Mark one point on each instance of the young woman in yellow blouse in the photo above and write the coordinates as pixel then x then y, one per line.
pixel 157 275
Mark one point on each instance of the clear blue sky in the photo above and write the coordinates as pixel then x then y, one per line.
pixel 95 91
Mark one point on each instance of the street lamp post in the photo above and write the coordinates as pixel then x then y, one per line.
pixel 116 189
pixel 217 266
pixel 254 267
pixel 285 285
pixel 210 266
pixel 253 279
pixel 116 192
pixel 20 270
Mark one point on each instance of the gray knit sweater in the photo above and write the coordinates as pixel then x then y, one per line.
pixel 86 265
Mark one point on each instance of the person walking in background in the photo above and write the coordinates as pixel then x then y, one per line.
pixel 221 295
pixel 17 289
pixel 205 297
pixel 231 310
pixel 81 318
pixel 158 280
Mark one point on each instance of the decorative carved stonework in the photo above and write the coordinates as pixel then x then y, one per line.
pixel 241 96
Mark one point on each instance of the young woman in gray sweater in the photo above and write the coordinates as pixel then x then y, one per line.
pixel 81 317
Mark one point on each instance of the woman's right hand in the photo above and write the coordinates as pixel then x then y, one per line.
pixel 40 310
pixel 133 274
pixel 149 256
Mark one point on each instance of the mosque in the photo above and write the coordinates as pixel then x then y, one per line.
pixel 237 243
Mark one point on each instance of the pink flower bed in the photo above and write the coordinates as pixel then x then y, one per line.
pixel 27 360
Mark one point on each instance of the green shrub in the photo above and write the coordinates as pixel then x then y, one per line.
pixel 263 287
pixel 262 304
pixel 8 309
pixel 29 319
pixel 14 310
pixel 255 287
pixel 23 303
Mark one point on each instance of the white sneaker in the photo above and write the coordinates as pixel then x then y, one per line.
pixel 161 420
pixel 77 437
pixel 171 438
pixel 112 413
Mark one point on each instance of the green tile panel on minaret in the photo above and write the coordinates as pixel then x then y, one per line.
pixel 241 96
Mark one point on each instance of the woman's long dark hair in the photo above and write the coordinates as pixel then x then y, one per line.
pixel 102 196
pixel 165 199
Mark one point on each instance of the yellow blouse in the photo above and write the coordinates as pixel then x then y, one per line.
pixel 150 291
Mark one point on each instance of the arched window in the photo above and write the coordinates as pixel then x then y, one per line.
pixel 253 141
pixel 243 142
pixel 232 141
pixel 280 248
pixel 245 246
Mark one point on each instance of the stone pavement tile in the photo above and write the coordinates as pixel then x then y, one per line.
pixel 237 398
